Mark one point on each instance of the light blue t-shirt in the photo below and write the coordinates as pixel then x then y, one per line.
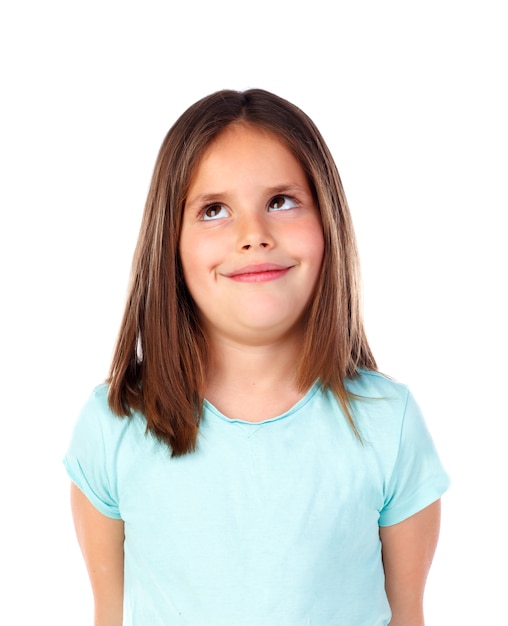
pixel 267 524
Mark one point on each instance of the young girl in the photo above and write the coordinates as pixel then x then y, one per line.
pixel 245 464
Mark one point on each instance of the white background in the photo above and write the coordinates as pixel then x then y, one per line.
pixel 411 97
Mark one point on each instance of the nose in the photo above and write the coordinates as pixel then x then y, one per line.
pixel 255 233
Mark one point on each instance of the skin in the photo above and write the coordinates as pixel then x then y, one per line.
pixel 249 209
pixel 101 541
pixel 251 249
pixel 408 550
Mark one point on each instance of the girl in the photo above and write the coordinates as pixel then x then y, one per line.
pixel 245 464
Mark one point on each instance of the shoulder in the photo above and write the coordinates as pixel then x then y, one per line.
pixel 386 413
pixel 378 400
pixel 373 384
pixel 99 439
pixel 96 414
pixel 394 430
pixel 97 404
pixel 98 398
pixel 98 425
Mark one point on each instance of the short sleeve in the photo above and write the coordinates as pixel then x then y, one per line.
pixel 418 478
pixel 89 457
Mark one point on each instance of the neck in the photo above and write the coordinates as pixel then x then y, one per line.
pixel 253 382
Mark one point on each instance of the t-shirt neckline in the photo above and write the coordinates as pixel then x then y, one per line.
pixel 210 408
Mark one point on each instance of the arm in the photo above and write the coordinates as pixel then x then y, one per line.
pixel 408 550
pixel 101 540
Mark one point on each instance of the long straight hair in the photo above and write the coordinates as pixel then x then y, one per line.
pixel 160 359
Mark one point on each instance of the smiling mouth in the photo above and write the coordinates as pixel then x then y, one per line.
pixel 258 273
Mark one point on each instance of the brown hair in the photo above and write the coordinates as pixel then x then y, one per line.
pixel 159 362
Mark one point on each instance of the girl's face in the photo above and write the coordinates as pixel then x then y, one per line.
pixel 251 244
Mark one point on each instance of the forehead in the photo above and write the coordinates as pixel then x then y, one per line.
pixel 246 149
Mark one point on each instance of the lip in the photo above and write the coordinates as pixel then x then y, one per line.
pixel 257 273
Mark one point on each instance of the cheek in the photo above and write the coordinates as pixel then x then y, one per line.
pixel 313 245
pixel 199 258
pixel 189 259
pixel 318 245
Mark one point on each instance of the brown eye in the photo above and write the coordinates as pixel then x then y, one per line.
pixel 282 203
pixel 277 202
pixel 214 211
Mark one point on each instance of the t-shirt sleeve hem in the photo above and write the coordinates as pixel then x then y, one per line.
pixel 82 485
pixel 421 500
